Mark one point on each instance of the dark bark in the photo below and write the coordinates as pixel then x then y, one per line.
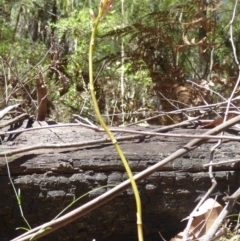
pixel 49 179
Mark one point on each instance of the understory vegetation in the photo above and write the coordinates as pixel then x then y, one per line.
pixel 154 62
pixel 151 57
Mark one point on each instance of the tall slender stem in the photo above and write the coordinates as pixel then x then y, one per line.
pixel 103 8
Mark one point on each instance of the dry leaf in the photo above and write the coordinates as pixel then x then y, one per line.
pixel 204 217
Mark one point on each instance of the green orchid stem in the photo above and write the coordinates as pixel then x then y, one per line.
pixel 103 10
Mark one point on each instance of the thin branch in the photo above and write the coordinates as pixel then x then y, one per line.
pixel 203 107
pixel 14 120
pixel 139 134
pixel 109 195
pixel 212 231
pixel 215 92
pixel 6 110
pixel 227 209
pixel 220 163
pixel 210 190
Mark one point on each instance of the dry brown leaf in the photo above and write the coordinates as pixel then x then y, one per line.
pixel 204 217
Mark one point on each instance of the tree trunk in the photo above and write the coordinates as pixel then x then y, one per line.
pixel 49 179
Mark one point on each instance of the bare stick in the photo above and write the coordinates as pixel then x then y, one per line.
pixel 210 190
pixel 210 234
pixel 220 163
pixel 139 134
pixel 109 195
pixel 227 209
pixel 14 120
pixel 7 110
pixel 174 112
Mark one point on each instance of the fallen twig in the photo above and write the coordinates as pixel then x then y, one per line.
pixel 220 163
pixel 138 135
pixel 14 120
pixel 109 195
pixel 7 110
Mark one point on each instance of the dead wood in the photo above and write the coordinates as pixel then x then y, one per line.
pixel 41 98
pixel 49 179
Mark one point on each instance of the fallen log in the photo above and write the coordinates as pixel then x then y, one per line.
pixel 50 178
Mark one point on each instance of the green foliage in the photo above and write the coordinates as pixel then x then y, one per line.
pixel 164 43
